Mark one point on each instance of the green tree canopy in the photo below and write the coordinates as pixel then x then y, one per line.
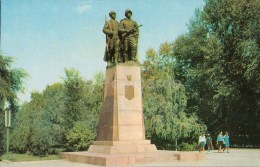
pixel 62 117
pixel 218 62
pixel 11 82
pixel 165 103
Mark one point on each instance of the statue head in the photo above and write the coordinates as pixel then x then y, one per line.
pixel 111 13
pixel 128 11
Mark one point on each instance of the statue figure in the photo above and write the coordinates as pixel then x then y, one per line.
pixel 112 39
pixel 129 33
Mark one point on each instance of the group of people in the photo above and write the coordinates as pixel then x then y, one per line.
pixel 222 142
pixel 121 39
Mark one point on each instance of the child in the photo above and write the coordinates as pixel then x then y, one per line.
pixel 209 142
pixel 202 142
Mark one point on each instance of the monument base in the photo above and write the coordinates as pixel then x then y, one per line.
pixel 131 158
pixel 121 132
pixel 122 147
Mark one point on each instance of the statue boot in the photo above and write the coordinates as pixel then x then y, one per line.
pixel 116 58
pixel 120 58
pixel 113 59
pixel 133 55
pixel 125 57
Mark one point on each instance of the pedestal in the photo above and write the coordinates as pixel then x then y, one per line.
pixel 121 122
pixel 121 134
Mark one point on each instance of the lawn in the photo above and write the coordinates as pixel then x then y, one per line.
pixel 26 157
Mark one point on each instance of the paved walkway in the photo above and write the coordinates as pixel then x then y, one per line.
pixel 236 157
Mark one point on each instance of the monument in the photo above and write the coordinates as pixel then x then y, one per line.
pixel 121 133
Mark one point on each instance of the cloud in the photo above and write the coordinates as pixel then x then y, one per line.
pixel 83 8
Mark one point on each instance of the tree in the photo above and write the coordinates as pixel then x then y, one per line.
pixel 235 25
pixel 11 82
pixel 29 134
pixel 80 136
pixel 53 113
pixel 165 102
pixel 94 100
pixel 73 93
pixel 218 62
pixel 37 126
pixel 62 117
pixel 20 135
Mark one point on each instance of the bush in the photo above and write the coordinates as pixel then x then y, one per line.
pixel 55 151
pixel 80 137
pixel 41 140
pixel 188 147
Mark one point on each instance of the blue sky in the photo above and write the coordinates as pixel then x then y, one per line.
pixel 46 36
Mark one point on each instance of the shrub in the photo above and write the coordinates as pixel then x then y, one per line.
pixel 80 137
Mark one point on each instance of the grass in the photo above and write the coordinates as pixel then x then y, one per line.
pixel 26 157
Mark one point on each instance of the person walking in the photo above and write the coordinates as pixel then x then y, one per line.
pixel 220 142
pixel 226 139
pixel 209 142
pixel 202 142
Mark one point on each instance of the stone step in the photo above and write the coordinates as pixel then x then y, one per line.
pixel 132 158
pixel 155 158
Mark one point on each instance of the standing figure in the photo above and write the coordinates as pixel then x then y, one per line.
pixel 202 142
pixel 112 39
pixel 129 34
pixel 226 139
pixel 220 142
pixel 209 142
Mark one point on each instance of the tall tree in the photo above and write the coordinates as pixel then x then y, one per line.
pixel 62 117
pixel 11 82
pixel 166 120
pixel 236 26
pixel 84 130
pixel 73 94
pixel 218 61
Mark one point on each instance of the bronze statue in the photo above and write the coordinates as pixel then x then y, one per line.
pixel 129 33
pixel 121 39
pixel 112 39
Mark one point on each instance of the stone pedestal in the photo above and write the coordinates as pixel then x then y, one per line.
pixel 121 134
pixel 121 122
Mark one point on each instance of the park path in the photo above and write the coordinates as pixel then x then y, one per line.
pixel 236 157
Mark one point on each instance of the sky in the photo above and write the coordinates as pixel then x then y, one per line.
pixel 47 36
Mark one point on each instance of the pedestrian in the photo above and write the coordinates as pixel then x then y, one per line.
pixel 226 139
pixel 209 142
pixel 220 141
pixel 202 142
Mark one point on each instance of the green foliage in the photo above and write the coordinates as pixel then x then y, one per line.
pixel 53 113
pixel 165 102
pixel 73 97
pixel 93 99
pixel 63 117
pixel 11 82
pixel 218 62
pixel 20 136
pixel 80 137
pixel 31 133
pixel 14 157
pixel 188 146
